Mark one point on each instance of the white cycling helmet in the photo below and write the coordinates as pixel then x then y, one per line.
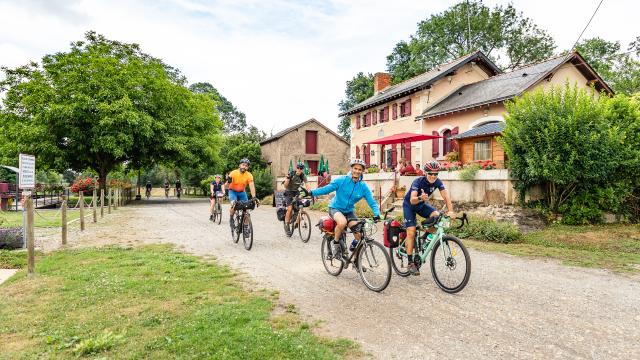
pixel 358 162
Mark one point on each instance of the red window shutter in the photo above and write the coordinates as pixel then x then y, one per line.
pixel 395 111
pixel 454 143
pixel 407 152
pixel 367 119
pixel 435 145
pixel 382 153
pixel 375 117
pixel 357 152
pixel 357 121
pixel 367 154
pixel 394 155
pixel 408 107
pixel 311 142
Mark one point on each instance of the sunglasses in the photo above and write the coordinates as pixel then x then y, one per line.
pixel 432 174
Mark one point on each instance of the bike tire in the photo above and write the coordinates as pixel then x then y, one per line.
pixel 247 232
pixel 235 233
pixel 438 276
pixel 399 262
pixel 304 227
pixel 373 259
pixel 332 266
pixel 219 211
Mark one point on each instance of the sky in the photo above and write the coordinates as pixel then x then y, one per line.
pixel 280 62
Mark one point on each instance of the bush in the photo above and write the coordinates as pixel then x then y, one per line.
pixel 486 229
pixel 264 182
pixel 320 205
pixel 86 185
pixel 11 238
pixel 468 173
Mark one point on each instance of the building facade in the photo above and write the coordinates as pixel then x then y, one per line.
pixel 307 141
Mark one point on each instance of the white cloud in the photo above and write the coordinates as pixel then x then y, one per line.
pixel 281 62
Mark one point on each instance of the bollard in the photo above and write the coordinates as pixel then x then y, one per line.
pixel 101 203
pixel 81 205
pixel 30 238
pixel 95 206
pixel 109 201
pixel 63 214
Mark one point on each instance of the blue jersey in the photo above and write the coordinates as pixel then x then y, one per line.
pixel 423 186
pixel 217 186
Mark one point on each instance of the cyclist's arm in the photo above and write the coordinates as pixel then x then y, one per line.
pixel 447 200
pixel 372 202
pixel 285 183
pixel 211 190
pixel 414 199
pixel 333 186
pixel 252 189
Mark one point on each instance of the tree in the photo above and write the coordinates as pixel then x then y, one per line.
pixel 233 119
pixel 101 104
pixel 358 89
pixel 249 150
pixel 620 69
pixel 465 27
pixel 582 150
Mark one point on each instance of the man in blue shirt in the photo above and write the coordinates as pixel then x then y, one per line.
pixel 349 190
pixel 415 203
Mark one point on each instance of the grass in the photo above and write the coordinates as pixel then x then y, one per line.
pixel 46 218
pixel 615 247
pixel 148 302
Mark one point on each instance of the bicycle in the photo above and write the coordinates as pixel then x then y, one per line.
pixel 166 192
pixel 217 209
pixel 441 246
pixel 242 222
pixel 299 218
pixel 178 192
pixel 369 258
pixel 148 193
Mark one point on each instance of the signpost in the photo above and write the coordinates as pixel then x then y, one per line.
pixel 27 182
pixel 27 174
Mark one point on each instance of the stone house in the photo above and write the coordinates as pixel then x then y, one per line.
pixel 452 99
pixel 307 141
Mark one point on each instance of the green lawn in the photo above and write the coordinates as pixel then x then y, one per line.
pixel 47 218
pixel 148 302
pixel 615 247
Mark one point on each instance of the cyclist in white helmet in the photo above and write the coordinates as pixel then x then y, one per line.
pixel 349 190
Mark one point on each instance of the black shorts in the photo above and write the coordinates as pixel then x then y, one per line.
pixel 288 197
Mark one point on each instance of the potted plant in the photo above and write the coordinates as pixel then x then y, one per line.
pixel 401 191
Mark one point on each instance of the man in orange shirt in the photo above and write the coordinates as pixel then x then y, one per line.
pixel 237 181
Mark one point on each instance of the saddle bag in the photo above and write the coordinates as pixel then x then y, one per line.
pixel 393 233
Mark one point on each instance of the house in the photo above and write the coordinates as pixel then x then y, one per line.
pixel 451 100
pixel 307 141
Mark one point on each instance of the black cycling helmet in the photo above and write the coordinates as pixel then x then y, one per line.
pixel 300 165
pixel 245 161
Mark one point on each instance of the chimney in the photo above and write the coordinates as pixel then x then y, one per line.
pixel 380 82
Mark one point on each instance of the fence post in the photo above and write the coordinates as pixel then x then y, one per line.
pixel 63 214
pixel 101 203
pixel 30 237
pixel 81 204
pixel 110 201
pixel 115 201
pixel 95 205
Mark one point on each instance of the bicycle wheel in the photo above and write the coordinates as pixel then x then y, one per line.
pixel 219 211
pixel 236 230
pixel 247 232
pixel 333 266
pixel 215 216
pixel 450 264
pixel 304 227
pixel 374 266
pixel 399 260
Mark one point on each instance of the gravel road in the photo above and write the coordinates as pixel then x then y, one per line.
pixel 511 308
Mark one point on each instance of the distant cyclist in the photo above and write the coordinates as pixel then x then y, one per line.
pixel 237 181
pixel 166 188
pixel 148 187
pixel 292 184
pixel 217 191
pixel 178 188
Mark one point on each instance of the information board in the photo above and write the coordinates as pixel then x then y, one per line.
pixel 27 174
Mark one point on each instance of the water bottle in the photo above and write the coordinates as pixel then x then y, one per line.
pixel 429 237
pixel 354 243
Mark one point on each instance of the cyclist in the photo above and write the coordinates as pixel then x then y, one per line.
pixel 216 189
pixel 415 203
pixel 292 183
pixel 148 188
pixel 178 187
pixel 166 188
pixel 349 190
pixel 237 181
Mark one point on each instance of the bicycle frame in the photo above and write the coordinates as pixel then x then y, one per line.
pixel 423 251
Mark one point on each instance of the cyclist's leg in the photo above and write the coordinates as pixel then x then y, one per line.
pixel 351 218
pixel 233 196
pixel 408 212
pixel 212 202
pixel 341 223
pixel 288 201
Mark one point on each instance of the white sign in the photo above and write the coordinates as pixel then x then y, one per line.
pixel 27 175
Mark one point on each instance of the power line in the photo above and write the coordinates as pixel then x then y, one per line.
pixel 585 28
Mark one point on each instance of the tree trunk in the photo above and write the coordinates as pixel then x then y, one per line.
pixel 102 177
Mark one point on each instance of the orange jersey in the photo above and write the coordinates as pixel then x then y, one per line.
pixel 239 181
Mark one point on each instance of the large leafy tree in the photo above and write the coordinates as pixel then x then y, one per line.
pixel 502 33
pixel 234 120
pixel 104 103
pixel 358 89
pixel 619 68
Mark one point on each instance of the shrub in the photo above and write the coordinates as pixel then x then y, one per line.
pixel 11 238
pixel 86 185
pixel 320 205
pixel 263 181
pixel 486 229
pixel 469 172
pixel 452 156
pixel 452 166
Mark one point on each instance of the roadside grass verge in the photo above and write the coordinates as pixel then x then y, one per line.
pixel 615 246
pixel 149 302
pixel 47 218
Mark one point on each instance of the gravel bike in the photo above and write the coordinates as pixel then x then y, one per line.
pixel 299 217
pixel 217 209
pixel 450 262
pixel 242 222
pixel 369 258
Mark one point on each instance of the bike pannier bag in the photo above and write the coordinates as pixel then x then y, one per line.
pixel 281 212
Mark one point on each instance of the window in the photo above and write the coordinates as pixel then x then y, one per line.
pixel 482 150
pixel 384 114
pixel 357 119
pixel 446 142
pixel 395 111
pixel 311 142
pixel 405 108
